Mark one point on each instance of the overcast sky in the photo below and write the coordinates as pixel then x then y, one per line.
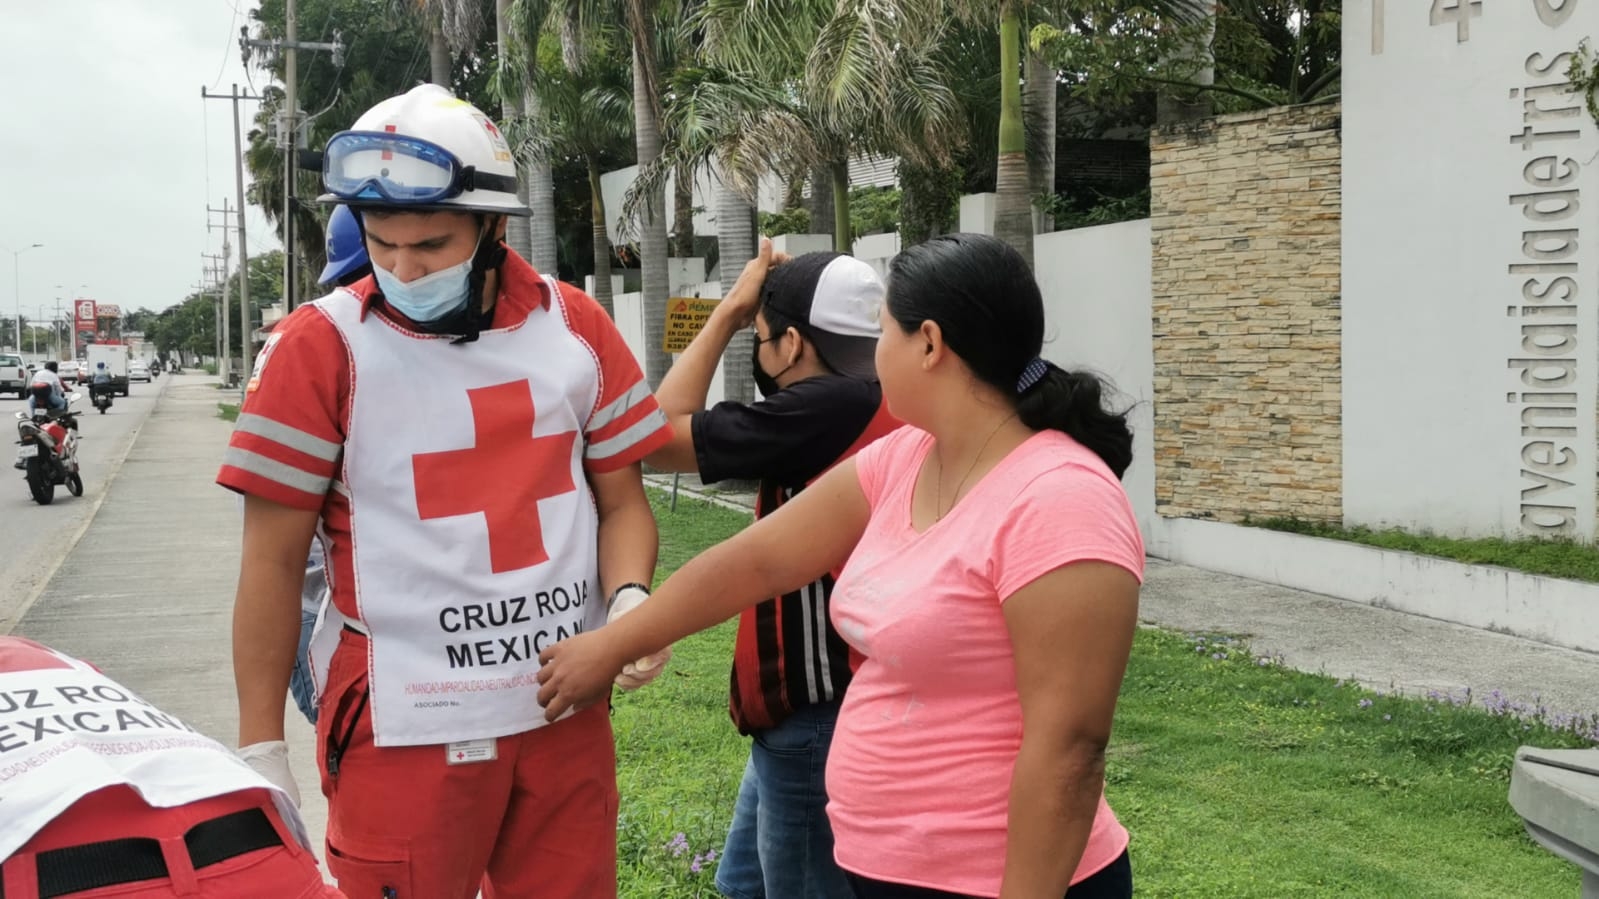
pixel 108 156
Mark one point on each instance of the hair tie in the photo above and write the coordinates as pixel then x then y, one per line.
pixel 1032 374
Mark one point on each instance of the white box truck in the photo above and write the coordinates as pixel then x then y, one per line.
pixel 115 357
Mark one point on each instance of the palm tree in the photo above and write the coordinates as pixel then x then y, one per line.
pixel 453 27
pixel 1013 208
pixel 1171 106
pixel 639 16
pixel 517 233
pixel 857 70
pixel 735 244
pixel 586 113
pixel 798 117
pixel 1039 108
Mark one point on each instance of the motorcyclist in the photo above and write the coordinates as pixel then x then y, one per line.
pixel 100 381
pixel 54 395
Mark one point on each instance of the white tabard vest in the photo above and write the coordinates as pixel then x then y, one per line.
pixel 475 535
pixel 67 732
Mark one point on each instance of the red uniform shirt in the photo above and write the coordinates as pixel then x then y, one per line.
pixel 287 445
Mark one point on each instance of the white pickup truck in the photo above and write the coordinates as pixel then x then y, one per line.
pixel 14 376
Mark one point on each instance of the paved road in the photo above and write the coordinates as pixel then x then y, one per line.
pixel 33 538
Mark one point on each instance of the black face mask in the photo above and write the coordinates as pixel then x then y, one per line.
pixel 765 383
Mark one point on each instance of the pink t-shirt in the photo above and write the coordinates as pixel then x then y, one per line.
pixel 919 774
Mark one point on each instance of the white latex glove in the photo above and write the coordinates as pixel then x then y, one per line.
pixel 637 673
pixel 271 761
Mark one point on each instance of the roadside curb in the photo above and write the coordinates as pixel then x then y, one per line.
pixel 663 482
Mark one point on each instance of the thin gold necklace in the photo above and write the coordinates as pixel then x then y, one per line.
pixel 938 485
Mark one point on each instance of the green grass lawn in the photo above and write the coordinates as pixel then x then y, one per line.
pixel 1236 776
pixel 228 411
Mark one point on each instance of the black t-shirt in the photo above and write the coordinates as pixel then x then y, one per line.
pixel 785 440
pixel 788 655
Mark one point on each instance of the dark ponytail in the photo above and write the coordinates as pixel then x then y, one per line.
pixel 1072 401
pixel 984 299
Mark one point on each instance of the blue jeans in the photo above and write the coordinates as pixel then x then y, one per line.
pixel 780 845
pixel 57 404
pixel 301 685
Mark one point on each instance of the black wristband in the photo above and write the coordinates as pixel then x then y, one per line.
pixel 611 600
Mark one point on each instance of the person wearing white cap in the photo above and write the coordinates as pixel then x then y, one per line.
pixel 463 435
pixel 816 329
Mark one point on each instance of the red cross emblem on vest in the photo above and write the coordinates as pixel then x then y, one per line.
pixel 501 477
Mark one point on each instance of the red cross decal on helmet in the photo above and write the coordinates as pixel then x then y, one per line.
pixel 502 477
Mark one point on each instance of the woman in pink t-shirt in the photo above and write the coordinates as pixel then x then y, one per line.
pixel 992 586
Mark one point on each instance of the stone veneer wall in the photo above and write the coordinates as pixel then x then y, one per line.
pixel 1246 218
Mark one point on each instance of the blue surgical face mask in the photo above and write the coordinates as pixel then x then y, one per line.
pixel 430 297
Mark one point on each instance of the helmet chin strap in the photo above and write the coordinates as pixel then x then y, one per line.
pixel 470 320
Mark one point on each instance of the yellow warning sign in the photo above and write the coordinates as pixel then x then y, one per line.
pixel 685 317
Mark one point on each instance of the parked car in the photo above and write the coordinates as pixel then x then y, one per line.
pixel 14 376
pixel 138 370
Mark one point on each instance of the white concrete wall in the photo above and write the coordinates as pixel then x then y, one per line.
pixel 977 213
pixel 630 321
pixel 614 185
pixel 1464 254
pixel 1565 613
pixel 1097 301
pixel 800 244
pixel 877 250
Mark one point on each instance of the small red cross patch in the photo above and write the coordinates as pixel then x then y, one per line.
pixel 388 154
pixel 502 477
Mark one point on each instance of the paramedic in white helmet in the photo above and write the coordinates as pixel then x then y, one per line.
pixel 463 435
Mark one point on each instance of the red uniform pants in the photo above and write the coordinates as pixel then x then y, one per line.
pixel 132 850
pixel 537 821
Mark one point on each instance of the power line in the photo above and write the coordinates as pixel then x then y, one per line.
pixel 226 49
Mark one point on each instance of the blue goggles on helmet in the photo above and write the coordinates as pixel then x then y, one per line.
pixel 386 168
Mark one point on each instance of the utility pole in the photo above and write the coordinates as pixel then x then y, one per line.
pixel 223 360
pixel 289 125
pixel 200 290
pixel 292 130
pixel 225 367
pixel 244 248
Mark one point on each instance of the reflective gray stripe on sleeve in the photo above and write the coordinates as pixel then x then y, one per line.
pixel 629 438
pixel 620 407
pixel 275 471
pixel 293 438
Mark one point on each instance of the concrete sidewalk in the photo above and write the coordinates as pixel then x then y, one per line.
pixel 147 594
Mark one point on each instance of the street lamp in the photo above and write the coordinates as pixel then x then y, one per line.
pixel 33 328
pixel 67 321
pixel 16 285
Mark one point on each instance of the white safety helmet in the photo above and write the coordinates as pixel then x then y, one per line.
pixel 422 150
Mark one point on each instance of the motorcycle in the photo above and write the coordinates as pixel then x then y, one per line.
pixel 102 396
pixel 48 451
